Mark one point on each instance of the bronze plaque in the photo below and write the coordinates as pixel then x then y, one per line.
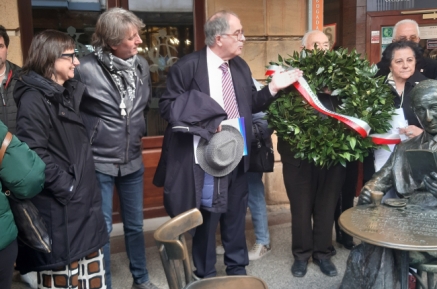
pixel 412 227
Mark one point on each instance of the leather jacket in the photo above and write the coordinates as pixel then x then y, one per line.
pixel 114 138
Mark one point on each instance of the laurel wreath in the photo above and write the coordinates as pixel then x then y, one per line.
pixel 325 140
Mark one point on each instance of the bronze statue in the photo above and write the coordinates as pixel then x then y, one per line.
pixel 370 266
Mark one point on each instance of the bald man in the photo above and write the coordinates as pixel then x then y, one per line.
pixel 313 193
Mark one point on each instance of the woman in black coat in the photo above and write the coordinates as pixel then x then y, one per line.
pixel 400 59
pixel 48 121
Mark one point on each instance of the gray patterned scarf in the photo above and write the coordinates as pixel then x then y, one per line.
pixel 122 72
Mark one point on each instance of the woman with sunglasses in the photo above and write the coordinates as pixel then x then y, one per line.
pixel 48 120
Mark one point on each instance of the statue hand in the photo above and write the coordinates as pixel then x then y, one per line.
pixel 364 198
pixel 431 183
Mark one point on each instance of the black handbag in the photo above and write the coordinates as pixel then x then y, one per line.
pixel 261 156
pixel 31 227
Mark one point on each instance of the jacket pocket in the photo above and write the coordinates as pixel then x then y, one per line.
pixel 94 130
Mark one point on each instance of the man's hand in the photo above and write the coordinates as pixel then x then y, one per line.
pixel 365 197
pixel 431 183
pixel 219 129
pixel 284 79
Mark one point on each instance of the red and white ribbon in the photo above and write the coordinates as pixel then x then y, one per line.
pixel 356 124
pixel 385 138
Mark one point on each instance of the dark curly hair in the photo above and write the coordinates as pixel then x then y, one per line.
pixel 387 55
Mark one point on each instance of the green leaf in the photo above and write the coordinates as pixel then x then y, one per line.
pixel 336 92
pixel 352 142
pixel 320 70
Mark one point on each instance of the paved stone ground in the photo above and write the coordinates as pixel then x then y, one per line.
pixel 274 268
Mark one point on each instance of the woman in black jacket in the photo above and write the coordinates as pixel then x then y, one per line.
pixel 48 121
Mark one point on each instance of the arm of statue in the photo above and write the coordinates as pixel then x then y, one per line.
pixel 430 182
pixel 364 197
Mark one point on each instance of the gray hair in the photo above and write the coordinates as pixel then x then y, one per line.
pixel 405 21
pixel 112 26
pixel 308 34
pixel 218 24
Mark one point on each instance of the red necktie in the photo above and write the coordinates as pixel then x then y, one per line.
pixel 231 106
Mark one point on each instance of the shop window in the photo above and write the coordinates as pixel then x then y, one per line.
pixel 166 38
pixel 79 24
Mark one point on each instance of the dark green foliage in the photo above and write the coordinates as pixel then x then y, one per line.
pixel 325 140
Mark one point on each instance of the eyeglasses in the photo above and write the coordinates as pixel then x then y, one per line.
pixel 239 34
pixel 412 38
pixel 72 55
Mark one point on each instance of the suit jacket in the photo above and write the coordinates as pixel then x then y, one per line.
pixel 189 110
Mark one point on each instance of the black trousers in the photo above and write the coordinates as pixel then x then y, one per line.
pixel 7 257
pixel 313 192
pixel 232 229
pixel 346 199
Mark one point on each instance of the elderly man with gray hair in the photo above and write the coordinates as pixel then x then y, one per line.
pixel 313 192
pixel 117 92
pixel 203 89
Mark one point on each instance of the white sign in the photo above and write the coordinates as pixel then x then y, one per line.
pixel 428 32
pixel 374 37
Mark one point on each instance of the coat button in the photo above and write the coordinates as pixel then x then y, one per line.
pixel 63 113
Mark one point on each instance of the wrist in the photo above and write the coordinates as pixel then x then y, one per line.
pixel 273 90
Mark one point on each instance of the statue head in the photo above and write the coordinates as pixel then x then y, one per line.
pixel 424 104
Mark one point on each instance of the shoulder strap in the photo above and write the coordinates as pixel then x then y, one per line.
pixel 5 145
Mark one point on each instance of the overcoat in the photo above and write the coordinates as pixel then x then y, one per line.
pixel 48 121
pixel 189 110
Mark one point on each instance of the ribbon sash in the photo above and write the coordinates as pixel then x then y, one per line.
pixel 360 126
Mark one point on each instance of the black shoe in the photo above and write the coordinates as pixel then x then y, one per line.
pixel 299 268
pixel 333 251
pixel 326 266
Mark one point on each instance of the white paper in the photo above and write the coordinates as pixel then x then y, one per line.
pixel 196 140
pixel 397 121
pixel 381 156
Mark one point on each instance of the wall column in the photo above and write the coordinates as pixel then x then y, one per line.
pixel 10 21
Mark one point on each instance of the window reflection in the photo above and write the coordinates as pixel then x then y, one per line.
pixel 162 46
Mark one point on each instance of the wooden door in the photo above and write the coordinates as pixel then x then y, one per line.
pixel 377 20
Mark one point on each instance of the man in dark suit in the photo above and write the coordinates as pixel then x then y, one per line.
pixel 313 192
pixel 408 30
pixel 195 104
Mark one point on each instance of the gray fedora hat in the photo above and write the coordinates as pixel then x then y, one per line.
pixel 222 153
